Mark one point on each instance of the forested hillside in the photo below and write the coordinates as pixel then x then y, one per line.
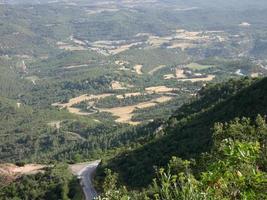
pixel 235 168
pixel 132 83
pixel 188 133
pixel 49 135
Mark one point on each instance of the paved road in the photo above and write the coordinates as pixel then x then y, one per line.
pixel 85 174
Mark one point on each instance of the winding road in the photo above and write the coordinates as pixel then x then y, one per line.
pixel 85 171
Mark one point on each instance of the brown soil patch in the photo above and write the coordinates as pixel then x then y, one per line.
pixel 78 167
pixel 11 169
pixel 138 69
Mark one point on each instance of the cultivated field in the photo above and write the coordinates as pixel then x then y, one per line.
pixel 125 113
pixel 179 73
pixel 160 89
pixel 76 100
pixel 208 78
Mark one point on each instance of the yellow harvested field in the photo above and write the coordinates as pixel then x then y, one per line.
pixel 156 69
pixel 11 169
pixel 160 89
pixel 115 85
pixel 168 76
pixel 163 99
pixel 122 48
pixel 76 100
pixel 120 96
pixel 125 113
pixel 180 38
pixel 138 69
pixel 189 35
pixel 208 78
pixel 79 99
pixel 180 73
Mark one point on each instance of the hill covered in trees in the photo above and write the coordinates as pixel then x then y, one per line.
pixel 190 131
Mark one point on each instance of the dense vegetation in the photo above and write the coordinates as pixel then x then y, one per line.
pixel 53 52
pixel 55 183
pixel 235 168
pixel 189 132
pixel 31 135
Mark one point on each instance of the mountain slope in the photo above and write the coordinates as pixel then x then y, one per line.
pixel 188 133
